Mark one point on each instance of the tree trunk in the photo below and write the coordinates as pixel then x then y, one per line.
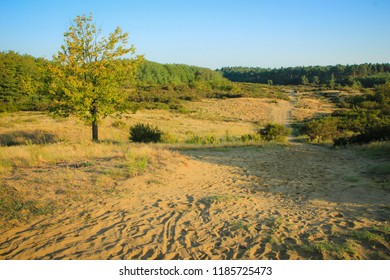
pixel 95 131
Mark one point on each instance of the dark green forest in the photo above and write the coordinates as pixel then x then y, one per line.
pixel 365 75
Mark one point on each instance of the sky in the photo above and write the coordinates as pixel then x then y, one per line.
pixel 213 33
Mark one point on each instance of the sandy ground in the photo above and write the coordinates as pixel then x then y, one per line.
pixel 236 203
pixel 297 201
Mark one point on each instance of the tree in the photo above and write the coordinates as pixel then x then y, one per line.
pixel 316 80
pixel 332 81
pixel 305 80
pixel 87 73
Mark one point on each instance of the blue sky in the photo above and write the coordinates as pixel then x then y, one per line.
pixel 212 33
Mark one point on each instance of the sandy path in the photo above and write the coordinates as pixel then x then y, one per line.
pixel 238 203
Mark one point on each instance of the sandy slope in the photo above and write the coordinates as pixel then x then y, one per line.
pixel 237 203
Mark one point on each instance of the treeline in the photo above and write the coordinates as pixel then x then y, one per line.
pixel 23 80
pixel 365 75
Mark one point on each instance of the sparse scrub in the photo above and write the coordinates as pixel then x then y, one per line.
pixel 371 235
pixel 15 138
pixel 118 124
pixel 145 133
pixel 13 206
pixel 205 140
pixel 227 139
pixel 377 238
pixel 330 250
pixel 169 138
pixel 255 137
pixel 241 225
pixel 137 163
pixel 216 199
pixel 366 120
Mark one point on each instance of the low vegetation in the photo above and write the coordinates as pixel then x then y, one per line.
pixel 364 119
pixel 276 132
pixel 145 133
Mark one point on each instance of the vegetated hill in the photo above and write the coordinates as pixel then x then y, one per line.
pixel 24 79
pixel 165 85
pixel 366 75
pixel 152 73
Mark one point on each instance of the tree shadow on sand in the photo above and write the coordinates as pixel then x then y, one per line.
pixel 305 173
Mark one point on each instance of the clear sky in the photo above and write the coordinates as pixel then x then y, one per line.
pixel 213 33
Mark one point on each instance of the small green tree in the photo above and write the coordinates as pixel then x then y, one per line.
pixel 87 73
pixel 332 81
pixel 316 80
pixel 304 80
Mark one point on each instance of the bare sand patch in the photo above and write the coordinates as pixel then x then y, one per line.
pixel 273 202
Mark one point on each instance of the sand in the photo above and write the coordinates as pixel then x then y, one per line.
pixel 294 201
pixel 273 202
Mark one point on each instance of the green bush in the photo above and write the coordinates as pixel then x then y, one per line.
pixel 322 129
pixel 374 133
pixel 274 132
pixel 145 133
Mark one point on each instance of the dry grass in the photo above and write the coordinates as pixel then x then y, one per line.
pixel 308 107
pixel 180 127
pixel 44 179
pixel 47 164
pixel 244 109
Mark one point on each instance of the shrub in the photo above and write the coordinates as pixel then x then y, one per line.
pixel 381 133
pixel 145 133
pixel 274 132
pixel 322 129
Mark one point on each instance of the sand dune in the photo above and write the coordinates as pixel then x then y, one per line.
pixel 239 203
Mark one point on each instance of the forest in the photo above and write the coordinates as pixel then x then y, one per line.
pixel 365 75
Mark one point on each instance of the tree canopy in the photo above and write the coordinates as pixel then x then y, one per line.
pixel 366 74
pixel 87 73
